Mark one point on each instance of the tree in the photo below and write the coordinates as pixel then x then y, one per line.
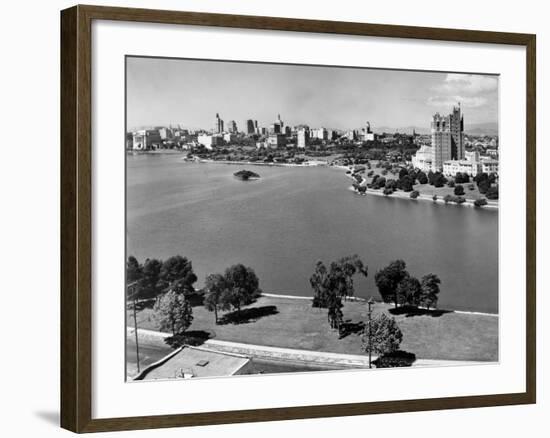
pixel 409 291
pixel 134 270
pixel 331 285
pixel 406 183
pixel 480 202
pixel 242 286
pixel 215 286
pixel 319 284
pixel 387 280
pixel 459 190
pixel 414 194
pixel 382 335
pixel 151 276
pixel 422 178
pixel 336 280
pixel 429 290
pixel 177 273
pixel 173 312
pixel 492 193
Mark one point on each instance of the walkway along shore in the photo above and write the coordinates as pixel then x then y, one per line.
pixel 320 358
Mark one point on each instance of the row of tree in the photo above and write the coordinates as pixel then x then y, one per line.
pixel 397 286
pixel 155 277
pixel 170 283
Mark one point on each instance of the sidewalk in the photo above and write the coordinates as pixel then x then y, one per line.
pixel 321 358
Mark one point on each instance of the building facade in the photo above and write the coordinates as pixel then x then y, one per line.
pixel 302 138
pixel 447 138
pixel 218 125
pixel 250 127
pixel 210 141
pixel 276 140
pixel 423 159
pixel 146 139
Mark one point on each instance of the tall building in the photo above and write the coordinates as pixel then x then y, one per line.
pixel 447 138
pixel 218 126
pixel 250 128
pixel 303 138
pixel 232 128
pixel 277 126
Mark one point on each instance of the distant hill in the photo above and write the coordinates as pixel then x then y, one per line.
pixel 489 128
pixel 481 128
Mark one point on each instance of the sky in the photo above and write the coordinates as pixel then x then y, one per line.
pixel 163 91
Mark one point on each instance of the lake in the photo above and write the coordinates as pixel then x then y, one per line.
pixel 290 218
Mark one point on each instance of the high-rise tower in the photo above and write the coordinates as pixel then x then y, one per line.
pixel 447 138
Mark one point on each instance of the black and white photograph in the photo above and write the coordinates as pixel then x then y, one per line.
pixel 292 218
pixel 287 218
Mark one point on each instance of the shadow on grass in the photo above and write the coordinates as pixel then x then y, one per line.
pixel 191 337
pixel 410 311
pixel 350 328
pixel 396 359
pixel 245 316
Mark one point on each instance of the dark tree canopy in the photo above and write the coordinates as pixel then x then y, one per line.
pixel 177 273
pixel 241 286
pixel 331 285
pixel 387 280
pixel 430 290
pixel 409 291
pixel 215 287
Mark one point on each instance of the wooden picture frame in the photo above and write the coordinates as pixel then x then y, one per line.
pixel 76 217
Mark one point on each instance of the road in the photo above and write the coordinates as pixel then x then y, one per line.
pixel 148 353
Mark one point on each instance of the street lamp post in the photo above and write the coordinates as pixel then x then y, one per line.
pixel 133 294
pixel 370 302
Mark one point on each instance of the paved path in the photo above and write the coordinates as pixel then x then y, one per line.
pixel 153 345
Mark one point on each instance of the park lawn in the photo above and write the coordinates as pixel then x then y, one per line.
pixel 441 192
pixel 293 323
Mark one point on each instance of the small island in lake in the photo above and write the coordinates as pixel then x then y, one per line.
pixel 245 175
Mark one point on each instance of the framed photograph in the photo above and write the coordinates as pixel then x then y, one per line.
pixel 269 218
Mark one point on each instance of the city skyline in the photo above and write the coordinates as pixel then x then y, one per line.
pixel 163 91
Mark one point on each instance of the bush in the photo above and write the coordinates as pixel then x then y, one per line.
pixel 398 358
pixel 414 194
pixel 388 191
pixel 459 190
pixel 492 193
pixel 471 187
pixel 422 178
pixel 480 202
pixel 434 198
pixel 448 198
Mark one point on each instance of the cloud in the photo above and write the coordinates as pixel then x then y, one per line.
pixel 467 84
pixel 449 101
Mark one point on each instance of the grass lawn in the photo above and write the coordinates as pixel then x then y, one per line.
pixel 441 192
pixel 293 323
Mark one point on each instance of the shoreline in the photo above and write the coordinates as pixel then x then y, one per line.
pixel 421 197
pixel 359 299
pixel 316 163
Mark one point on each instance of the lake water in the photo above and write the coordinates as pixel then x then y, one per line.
pixel 282 224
